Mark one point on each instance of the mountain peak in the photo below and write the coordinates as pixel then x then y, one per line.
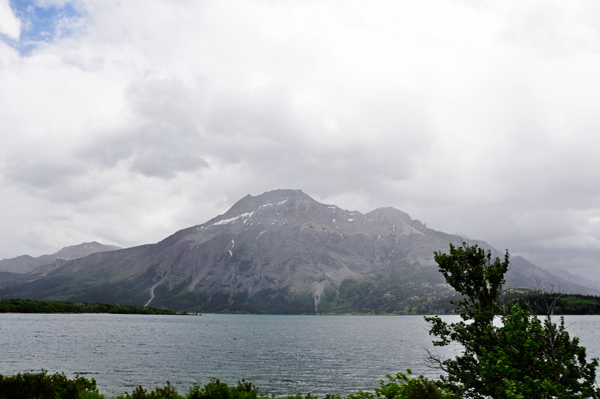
pixel 285 206
pixel 390 214
pixel 275 197
pixel 87 246
pixel 83 249
pixel 26 264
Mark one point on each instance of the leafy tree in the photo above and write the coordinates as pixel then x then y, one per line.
pixel 521 357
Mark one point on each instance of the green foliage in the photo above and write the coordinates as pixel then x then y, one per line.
pixel 90 395
pixel 539 302
pixel 307 396
pixel 167 392
pixel 536 359
pixel 29 306
pixel 45 386
pixel 217 389
pixel 524 357
pixel 397 386
pixel 58 386
pixel 471 272
pixel 403 386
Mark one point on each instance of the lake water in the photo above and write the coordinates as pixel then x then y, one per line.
pixel 280 354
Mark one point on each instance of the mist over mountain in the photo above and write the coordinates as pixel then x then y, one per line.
pixel 578 279
pixel 279 252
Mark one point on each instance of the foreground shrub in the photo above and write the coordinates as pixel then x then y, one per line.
pixel 57 386
pixel 168 392
pixel 216 389
pixel 403 386
pixel 45 386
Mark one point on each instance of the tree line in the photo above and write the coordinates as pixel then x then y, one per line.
pixel 538 302
pixel 30 306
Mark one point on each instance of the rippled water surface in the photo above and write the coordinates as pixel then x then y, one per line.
pixel 280 354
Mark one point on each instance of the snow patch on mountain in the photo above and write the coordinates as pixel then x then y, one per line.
pixel 246 216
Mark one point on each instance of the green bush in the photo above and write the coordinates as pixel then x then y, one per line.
pixel 403 386
pixel 216 389
pixel 168 392
pixel 58 386
pixel 45 386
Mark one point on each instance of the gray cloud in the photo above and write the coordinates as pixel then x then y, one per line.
pixel 474 117
pixel 40 174
pixel 157 163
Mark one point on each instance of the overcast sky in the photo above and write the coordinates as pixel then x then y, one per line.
pixel 124 121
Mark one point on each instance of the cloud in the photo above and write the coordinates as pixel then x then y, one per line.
pixel 10 25
pixel 474 117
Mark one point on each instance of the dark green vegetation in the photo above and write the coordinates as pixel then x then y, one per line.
pixel 374 295
pixel 539 302
pixel 58 386
pixel 525 357
pixel 45 386
pixel 404 386
pixel 29 306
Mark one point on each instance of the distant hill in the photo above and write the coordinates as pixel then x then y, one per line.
pixel 279 252
pixel 26 263
pixel 578 279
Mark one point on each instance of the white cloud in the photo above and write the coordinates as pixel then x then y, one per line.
pixel 474 117
pixel 10 25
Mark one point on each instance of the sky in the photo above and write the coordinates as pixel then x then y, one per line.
pixel 122 122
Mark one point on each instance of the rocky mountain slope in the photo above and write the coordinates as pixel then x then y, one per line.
pixel 26 263
pixel 279 252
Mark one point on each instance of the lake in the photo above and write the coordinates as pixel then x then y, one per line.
pixel 280 354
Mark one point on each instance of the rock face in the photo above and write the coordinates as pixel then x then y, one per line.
pixel 279 252
pixel 26 263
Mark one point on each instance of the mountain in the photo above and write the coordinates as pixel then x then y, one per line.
pixel 26 263
pixel 578 279
pixel 8 275
pixel 279 252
